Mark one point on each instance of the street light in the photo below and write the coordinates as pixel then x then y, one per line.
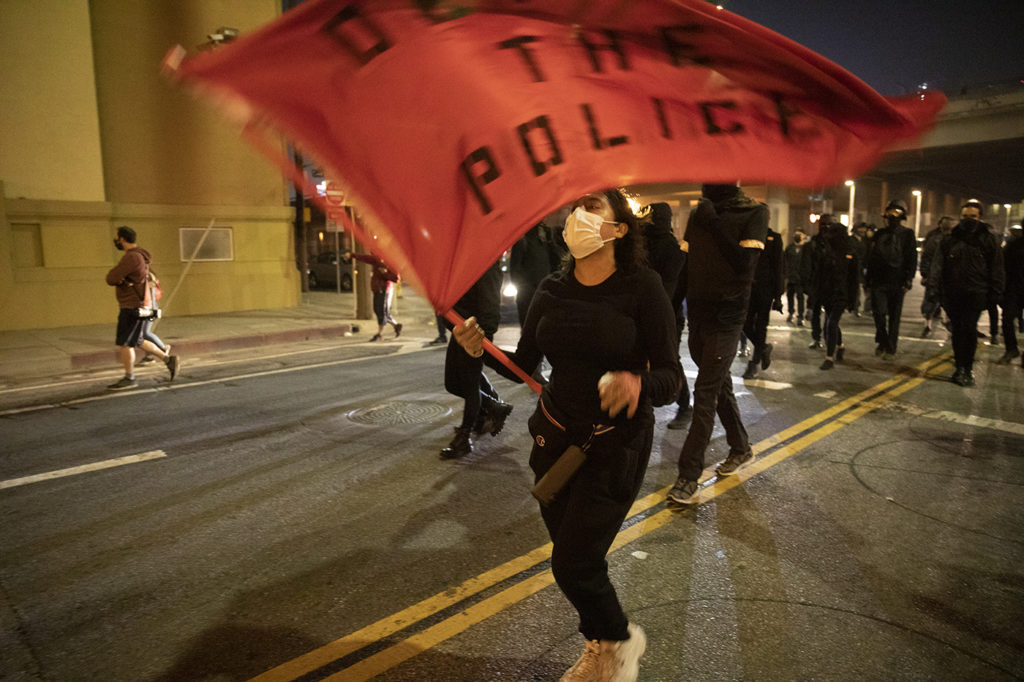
pixel 853 193
pixel 917 215
pixel 1007 207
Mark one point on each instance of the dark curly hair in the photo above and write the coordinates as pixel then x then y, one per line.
pixel 630 251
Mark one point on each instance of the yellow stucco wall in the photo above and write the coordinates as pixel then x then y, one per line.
pixel 96 138
pixel 49 125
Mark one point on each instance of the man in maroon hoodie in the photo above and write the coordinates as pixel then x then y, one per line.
pixel 129 279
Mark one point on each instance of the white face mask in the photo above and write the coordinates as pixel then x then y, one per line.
pixel 583 233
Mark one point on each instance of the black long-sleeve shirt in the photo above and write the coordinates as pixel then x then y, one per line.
pixel 625 323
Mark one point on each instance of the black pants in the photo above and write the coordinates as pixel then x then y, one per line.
pixel 713 347
pixel 815 306
pixel 930 306
pixel 1013 302
pixel 887 308
pixel 964 311
pixel 795 290
pixel 464 377
pixel 587 513
pixel 833 334
pixel 756 326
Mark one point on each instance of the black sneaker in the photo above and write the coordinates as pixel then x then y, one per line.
pixel 148 360
pixel 375 337
pixel 968 379
pixel 398 329
pixel 494 421
pixel 958 375
pixel 173 364
pixel 681 419
pixel 926 332
pixel 683 491
pixel 827 364
pixel 125 382
pixel 439 341
pixel 766 356
pixel 461 445
pixel 751 370
pixel 734 462
pixel 879 349
pixel 815 345
pixel 1008 357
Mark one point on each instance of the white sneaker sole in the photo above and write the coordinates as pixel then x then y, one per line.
pixel 631 650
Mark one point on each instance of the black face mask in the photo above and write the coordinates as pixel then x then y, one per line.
pixel 969 223
pixel 119 245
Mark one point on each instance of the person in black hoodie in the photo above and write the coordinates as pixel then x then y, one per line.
pixel 765 292
pixel 836 283
pixel 795 287
pixel 889 274
pixel 666 258
pixel 531 259
pixel 483 411
pixel 968 274
pixel 726 233
pixel 930 308
pixel 1013 298
pixel 808 264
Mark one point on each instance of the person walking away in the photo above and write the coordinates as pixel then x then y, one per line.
pixel 667 258
pixel 147 332
pixel 969 275
pixel 889 274
pixel 606 325
pixel 129 279
pixel 482 408
pixel 382 282
pixel 808 264
pixel 726 233
pixel 764 293
pixel 930 308
pixel 1013 297
pixel 532 258
pixel 836 283
pixel 794 285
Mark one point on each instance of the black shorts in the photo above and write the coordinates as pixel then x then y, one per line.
pixel 129 328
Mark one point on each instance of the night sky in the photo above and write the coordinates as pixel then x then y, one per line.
pixel 896 45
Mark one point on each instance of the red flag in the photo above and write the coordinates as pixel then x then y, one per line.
pixel 453 132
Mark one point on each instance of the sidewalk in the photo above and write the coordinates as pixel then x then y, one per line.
pixel 41 353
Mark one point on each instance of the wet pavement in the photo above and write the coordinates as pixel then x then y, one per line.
pixel 876 536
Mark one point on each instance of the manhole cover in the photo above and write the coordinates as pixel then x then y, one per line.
pixel 400 412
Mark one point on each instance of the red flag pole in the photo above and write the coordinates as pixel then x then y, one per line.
pixel 499 354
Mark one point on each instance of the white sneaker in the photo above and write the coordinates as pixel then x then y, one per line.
pixel 620 661
pixel 587 666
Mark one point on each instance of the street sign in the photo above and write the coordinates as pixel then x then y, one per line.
pixel 334 194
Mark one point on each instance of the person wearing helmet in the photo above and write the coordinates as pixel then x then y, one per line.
pixel 889 270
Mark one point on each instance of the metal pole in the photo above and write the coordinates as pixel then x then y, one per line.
pixel 188 266
pixel 917 215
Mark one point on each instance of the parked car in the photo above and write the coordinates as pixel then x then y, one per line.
pixel 323 272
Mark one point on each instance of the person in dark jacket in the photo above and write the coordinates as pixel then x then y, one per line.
pixel 667 258
pixel 483 411
pixel 726 233
pixel 808 264
pixel 794 285
pixel 764 293
pixel 969 276
pixel 531 259
pixel 889 270
pixel 930 308
pixel 605 323
pixel 1013 297
pixel 835 285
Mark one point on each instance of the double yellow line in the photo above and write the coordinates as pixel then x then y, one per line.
pixel 801 435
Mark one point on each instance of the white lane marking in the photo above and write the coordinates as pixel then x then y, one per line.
pixel 825 394
pixel 403 349
pixel 965 419
pixel 72 471
pixel 762 383
pixel 157 369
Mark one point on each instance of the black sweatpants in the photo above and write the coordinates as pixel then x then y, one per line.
pixel 964 311
pixel 756 326
pixel 887 308
pixel 712 346
pixel 1013 301
pixel 464 376
pixel 586 514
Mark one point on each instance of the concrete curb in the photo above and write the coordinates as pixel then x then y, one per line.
pixel 106 357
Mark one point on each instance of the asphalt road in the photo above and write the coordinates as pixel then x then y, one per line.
pixel 287 515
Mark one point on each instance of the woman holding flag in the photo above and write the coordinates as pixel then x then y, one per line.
pixel 607 328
